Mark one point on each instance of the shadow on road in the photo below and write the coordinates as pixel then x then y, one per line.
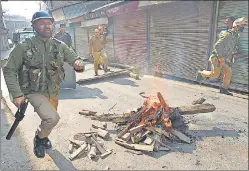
pixel 61 161
pixel 81 93
pixel 124 81
pixel 118 79
pixel 197 135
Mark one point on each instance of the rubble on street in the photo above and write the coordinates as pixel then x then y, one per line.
pixel 90 144
pixel 152 126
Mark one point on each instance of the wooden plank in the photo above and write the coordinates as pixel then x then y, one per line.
pixel 148 141
pixel 138 137
pixel 94 139
pixel 139 147
pixel 87 113
pixel 102 133
pixel 70 148
pixel 180 135
pixel 136 129
pixel 126 137
pixel 92 152
pixel 200 108
pixel 124 131
pixel 158 130
pixel 78 151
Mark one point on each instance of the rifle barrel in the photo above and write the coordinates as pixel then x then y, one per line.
pixel 12 129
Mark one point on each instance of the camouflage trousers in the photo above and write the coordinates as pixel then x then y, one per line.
pixel 46 109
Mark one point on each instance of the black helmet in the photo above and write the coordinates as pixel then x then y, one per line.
pixel 42 15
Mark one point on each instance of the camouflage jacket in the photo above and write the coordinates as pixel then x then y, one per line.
pixel 227 45
pixel 35 66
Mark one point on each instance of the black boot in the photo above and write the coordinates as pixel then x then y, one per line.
pixel 225 91
pixel 47 143
pixel 39 148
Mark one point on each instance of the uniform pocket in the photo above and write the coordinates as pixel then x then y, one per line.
pixel 24 78
pixel 35 77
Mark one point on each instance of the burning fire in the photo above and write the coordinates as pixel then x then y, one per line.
pixel 155 111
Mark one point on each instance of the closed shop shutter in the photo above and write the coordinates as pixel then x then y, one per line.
pixel 240 67
pixel 109 45
pixel 81 41
pixel 179 37
pixel 130 39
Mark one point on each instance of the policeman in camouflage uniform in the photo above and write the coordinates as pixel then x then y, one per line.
pixel 223 55
pixel 97 51
pixel 63 36
pixel 35 70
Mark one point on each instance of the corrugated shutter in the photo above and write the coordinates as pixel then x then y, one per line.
pixel 179 37
pixel 130 39
pixel 240 67
pixel 109 45
pixel 81 40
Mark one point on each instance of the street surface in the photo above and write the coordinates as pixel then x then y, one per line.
pixel 222 135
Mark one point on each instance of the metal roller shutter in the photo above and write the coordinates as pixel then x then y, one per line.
pixel 130 39
pixel 109 45
pixel 81 41
pixel 179 37
pixel 240 67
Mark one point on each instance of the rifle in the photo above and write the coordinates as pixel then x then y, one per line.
pixel 19 116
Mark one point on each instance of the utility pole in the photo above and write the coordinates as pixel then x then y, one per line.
pixel 3 32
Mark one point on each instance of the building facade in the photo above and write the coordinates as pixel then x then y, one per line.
pixel 172 38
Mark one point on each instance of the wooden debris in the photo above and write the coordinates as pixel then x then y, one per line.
pixel 92 152
pixel 87 112
pixel 135 146
pixel 158 130
pixel 200 108
pixel 199 101
pixel 148 141
pixel 126 137
pixel 70 148
pixel 78 151
pixel 183 110
pixel 137 137
pixel 103 133
pixel 88 142
pixel 136 129
pixel 124 131
pixel 103 126
pixel 76 142
pixel 107 153
pixel 180 135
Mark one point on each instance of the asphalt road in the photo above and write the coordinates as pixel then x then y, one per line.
pixel 222 135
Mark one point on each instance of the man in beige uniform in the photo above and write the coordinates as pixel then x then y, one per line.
pixel 223 55
pixel 35 70
pixel 96 49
